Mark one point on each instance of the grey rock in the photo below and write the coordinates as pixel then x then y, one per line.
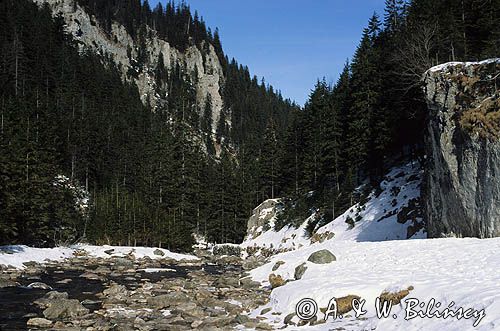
pixel 261 216
pixel 8 283
pixel 299 271
pixel 168 300
pixel 225 281
pixel 65 308
pixel 288 319
pixel 265 311
pixel 158 252
pixel 241 319
pixel 39 322
pixel 461 185
pixel 39 286
pixel 277 265
pixel 323 256
pixel 123 262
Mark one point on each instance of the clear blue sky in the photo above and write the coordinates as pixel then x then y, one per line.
pixel 291 43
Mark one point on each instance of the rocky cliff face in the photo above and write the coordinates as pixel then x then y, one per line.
pixel 123 50
pixel 462 185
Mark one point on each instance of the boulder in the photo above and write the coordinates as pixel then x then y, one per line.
pixel 299 271
pixel 158 252
pixel 8 283
pixel 65 308
pixel 39 286
pixel 225 281
pixel 38 322
pixel 277 265
pixel 168 300
pixel 49 298
pixel 261 216
pixel 323 256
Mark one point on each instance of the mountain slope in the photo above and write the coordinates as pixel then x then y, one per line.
pixel 127 51
pixel 160 128
pixel 394 212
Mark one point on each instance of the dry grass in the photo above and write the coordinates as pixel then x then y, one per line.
pixel 484 119
pixel 344 304
pixel 394 297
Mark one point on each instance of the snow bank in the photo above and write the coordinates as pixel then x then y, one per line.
pixel 464 271
pixel 378 217
pixel 138 252
pixel 16 255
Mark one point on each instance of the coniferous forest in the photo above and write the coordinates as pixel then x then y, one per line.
pixel 68 120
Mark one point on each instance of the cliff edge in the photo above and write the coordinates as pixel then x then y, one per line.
pixel 462 182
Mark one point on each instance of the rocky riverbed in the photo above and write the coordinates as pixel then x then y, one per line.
pixel 125 293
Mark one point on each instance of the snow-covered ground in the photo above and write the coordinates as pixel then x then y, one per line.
pixel 288 238
pixel 372 258
pixel 378 217
pixel 463 271
pixel 16 255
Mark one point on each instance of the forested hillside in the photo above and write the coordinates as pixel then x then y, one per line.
pixel 67 112
pixel 155 174
pixel 351 132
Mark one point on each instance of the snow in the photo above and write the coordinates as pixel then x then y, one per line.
pixel 377 218
pixel 373 258
pixel 154 270
pixel 377 223
pixel 464 271
pixel 444 66
pixel 79 193
pixel 17 255
pixel 138 252
pixel 287 238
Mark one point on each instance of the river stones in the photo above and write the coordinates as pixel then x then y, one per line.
pixel 39 286
pixel 39 322
pixel 168 300
pixel 8 283
pixel 195 297
pixel 64 308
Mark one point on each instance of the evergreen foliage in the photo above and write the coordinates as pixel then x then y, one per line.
pixel 150 179
pixel 351 133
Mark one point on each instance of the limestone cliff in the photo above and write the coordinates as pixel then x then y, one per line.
pixel 123 50
pixel 462 185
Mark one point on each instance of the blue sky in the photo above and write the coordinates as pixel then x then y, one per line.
pixel 291 43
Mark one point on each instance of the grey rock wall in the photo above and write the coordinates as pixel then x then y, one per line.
pixel 462 182
pixel 122 48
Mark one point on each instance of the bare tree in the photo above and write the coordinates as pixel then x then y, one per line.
pixel 415 55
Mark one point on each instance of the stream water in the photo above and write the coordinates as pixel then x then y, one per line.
pixel 16 303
